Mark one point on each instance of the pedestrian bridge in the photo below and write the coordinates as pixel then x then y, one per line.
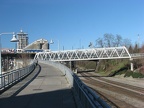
pixel 85 54
pixel 89 54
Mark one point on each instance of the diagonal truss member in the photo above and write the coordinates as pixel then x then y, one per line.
pixel 85 54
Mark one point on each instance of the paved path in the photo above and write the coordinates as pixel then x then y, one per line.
pixel 49 89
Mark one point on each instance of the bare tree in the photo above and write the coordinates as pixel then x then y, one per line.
pixel 109 40
pixel 136 49
pixel 100 42
pixel 118 40
pixel 126 42
pixel 91 45
pixel 142 49
pixel 130 49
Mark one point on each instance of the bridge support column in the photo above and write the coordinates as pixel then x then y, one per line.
pixel 97 65
pixel 131 64
pixel 72 65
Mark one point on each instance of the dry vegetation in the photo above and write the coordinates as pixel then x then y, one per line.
pixel 24 60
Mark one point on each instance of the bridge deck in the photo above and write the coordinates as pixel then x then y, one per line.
pixel 48 89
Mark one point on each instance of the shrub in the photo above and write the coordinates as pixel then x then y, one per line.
pixel 134 74
pixel 121 72
pixel 137 75
pixel 128 74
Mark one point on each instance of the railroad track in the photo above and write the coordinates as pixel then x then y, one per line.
pixel 117 94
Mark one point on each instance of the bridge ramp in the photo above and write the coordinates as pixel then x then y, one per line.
pixel 49 89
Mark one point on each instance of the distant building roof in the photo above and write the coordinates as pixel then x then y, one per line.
pixel 21 32
pixel 38 44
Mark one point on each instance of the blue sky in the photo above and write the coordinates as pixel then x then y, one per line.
pixel 72 23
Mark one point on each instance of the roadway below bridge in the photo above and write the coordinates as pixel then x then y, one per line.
pixel 46 87
pixel 119 92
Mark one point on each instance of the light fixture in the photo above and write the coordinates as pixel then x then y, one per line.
pixel 51 42
pixel 14 39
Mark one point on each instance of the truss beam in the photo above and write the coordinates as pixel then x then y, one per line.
pixel 85 54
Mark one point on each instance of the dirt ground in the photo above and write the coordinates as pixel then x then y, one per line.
pixel 128 80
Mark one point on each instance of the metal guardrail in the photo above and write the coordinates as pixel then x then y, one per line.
pixel 137 55
pixel 87 97
pixel 10 78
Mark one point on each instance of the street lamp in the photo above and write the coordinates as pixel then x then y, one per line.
pixel 12 40
pixel 51 42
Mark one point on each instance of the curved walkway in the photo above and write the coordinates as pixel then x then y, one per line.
pixel 48 89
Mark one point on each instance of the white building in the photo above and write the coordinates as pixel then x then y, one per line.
pixel 23 40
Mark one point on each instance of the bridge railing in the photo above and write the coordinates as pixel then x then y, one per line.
pixel 137 55
pixel 84 54
pixel 12 77
pixel 87 97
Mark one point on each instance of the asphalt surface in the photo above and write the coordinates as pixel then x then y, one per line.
pixel 45 87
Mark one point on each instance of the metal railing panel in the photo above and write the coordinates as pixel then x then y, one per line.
pixel 14 76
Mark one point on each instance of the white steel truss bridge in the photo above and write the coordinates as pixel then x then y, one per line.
pixel 85 54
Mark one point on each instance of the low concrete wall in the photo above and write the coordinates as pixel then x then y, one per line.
pixel 65 70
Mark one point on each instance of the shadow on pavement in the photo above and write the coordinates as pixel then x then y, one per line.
pixel 53 99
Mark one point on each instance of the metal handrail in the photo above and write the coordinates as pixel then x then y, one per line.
pixel 137 55
pixel 88 97
pixel 14 76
